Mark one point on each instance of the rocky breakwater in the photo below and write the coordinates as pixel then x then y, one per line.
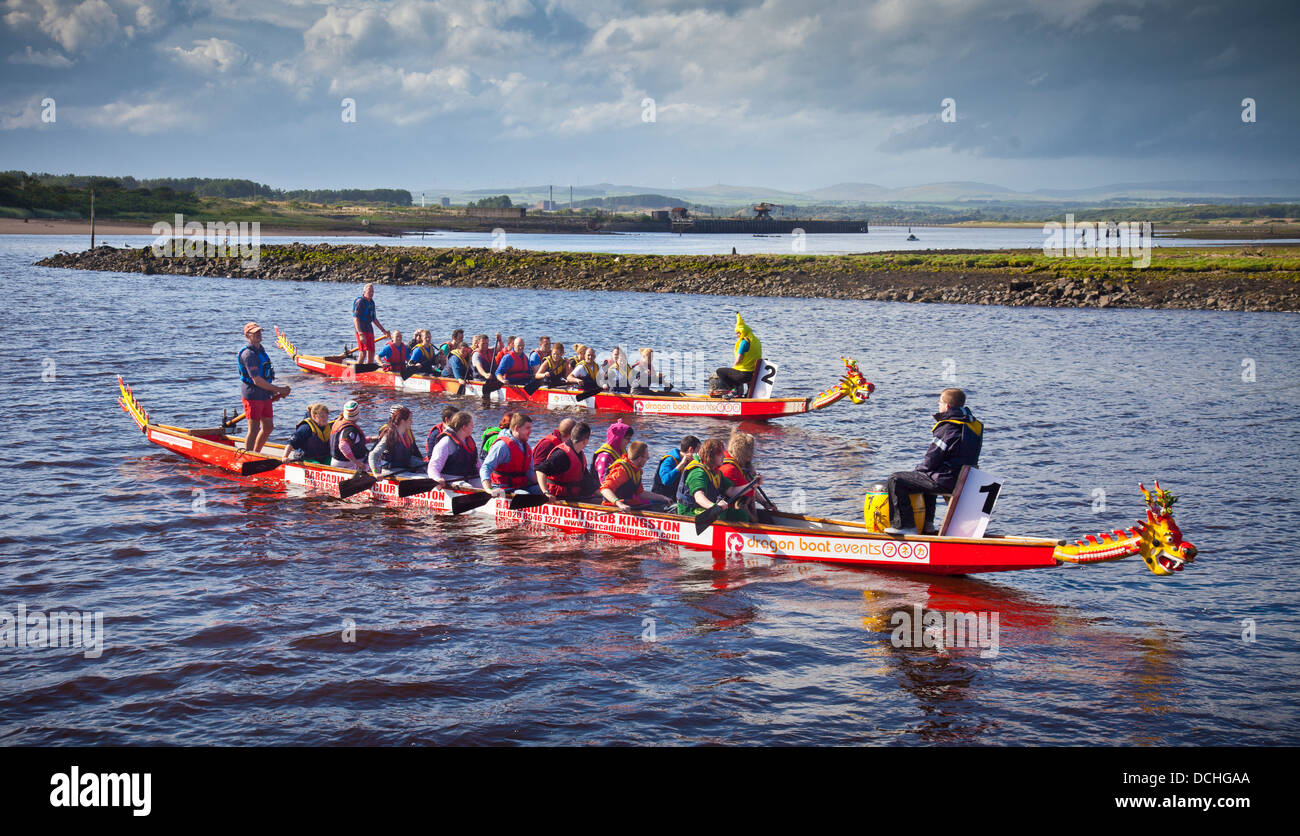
pixel 1257 279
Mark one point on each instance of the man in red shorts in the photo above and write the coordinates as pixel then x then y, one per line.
pixel 256 388
pixel 363 317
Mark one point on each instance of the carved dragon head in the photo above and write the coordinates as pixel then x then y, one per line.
pixel 853 384
pixel 1162 547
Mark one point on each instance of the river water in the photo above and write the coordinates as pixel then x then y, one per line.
pixel 223 604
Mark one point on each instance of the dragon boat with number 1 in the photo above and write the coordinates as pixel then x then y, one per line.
pixel 1157 539
pixel 851 385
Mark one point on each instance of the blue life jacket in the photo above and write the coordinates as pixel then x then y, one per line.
pixel 265 371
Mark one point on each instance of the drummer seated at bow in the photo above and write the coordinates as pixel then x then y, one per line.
pixel 704 486
pixel 508 466
pixel 736 378
pixel 564 474
pixel 554 369
pixel 395 353
pixel 396 450
pixel 622 485
pixel 452 455
pixel 958 436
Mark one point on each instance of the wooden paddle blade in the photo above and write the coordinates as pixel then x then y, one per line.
pixel 524 501
pixel 533 385
pixel 708 518
pixel 410 487
pixel 408 371
pixel 355 485
pixel 252 468
pixel 469 501
pixel 588 390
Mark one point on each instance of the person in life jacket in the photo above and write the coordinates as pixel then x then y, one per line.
pixel 564 473
pixel 395 353
pixel 364 322
pixel 396 450
pixel 256 389
pixel 447 412
pixel 508 466
pixel 481 359
pixel 453 456
pixel 538 355
pixel 585 375
pixel 738 467
pixel 622 484
pixel 347 441
pixel 490 434
pixel 749 352
pixel 958 437
pixel 425 358
pixel 668 475
pixel 554 368
pixel 542 449
pixel 512 368
pixel 458 363
pixel 616 374
pixel 616 439
pixel 456 341
pixel 311 438
pixel 704 486
pixel 645 376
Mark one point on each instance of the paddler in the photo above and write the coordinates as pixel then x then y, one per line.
pixel 564 473
pixel 424 357
pixel 453 456
pixel 958 437
pixel 585 374
pixel 616 439
pixel 512 369
pixel 553 370
pixel 256 389
pixel 447 412
pixel 347 441
pixel 738 467
pixel 749 352
pixel 538 355
pixel 395 353
pixel 508 466
pixel 396 450
pixel 622 484
pixel 481 359
pixel 616 372
pixel 363 322
pixel 542 449
pixel 490 434
pixel 311 438
pixel 703 484
pixel 669 473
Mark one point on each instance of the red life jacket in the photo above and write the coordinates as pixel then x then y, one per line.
pixel 432 439
pixel 568 483
pixel 397 357
pixel 732 470
pixel 518 373
pixel 463 461
pixel 542 449
pixel 517 471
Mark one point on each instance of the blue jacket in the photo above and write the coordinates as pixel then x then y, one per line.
pixel 958 437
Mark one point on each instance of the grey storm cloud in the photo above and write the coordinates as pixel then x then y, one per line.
pixel 1036 80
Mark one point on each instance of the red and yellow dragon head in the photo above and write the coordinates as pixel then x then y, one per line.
pixel 1157 540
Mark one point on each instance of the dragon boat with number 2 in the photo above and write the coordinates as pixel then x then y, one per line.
pixel 1157 539
pixel 852 385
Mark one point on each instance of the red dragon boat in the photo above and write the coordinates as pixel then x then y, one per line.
pixel 852 384
pixel 795 536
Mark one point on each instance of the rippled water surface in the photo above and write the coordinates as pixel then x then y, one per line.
pixel 224 603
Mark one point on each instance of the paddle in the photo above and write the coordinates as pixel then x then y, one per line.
pixel 589 388
pixel 260 466
pixel 492 384
pixel 229 424
pixel 710 516
pixel 533 385
pixel 524 501
pixel 356 484
pixel 469 501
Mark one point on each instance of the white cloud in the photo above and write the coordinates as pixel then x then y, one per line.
pixel 81 26
pixel 149 117
pixel 213 55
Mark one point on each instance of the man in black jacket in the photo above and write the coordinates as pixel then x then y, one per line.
pixel 957 439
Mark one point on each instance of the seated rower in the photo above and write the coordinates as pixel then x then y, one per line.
pixel 512 368
pixel 749 351
pixel 616 372
pixel 456 341
pixel 645 376
pixel 564 473
pixel 738 466
pixel 704 486
pixel 458 363
pixel 396 450
pixel 490 434
pixel 622 484
pixel 538 355
pixel 453 457
pixel 508 466
pixel 553 370
pixel 542 449
pixel 669 473
pixel 447 412
pixel 347 441
pixel 958 437
pixel 616 439
pixel 481 359
pixel 585 375
pixel 311 438
pixel 394 354
pixel 424 357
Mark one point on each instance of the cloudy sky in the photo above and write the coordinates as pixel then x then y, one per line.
pixel 791 94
